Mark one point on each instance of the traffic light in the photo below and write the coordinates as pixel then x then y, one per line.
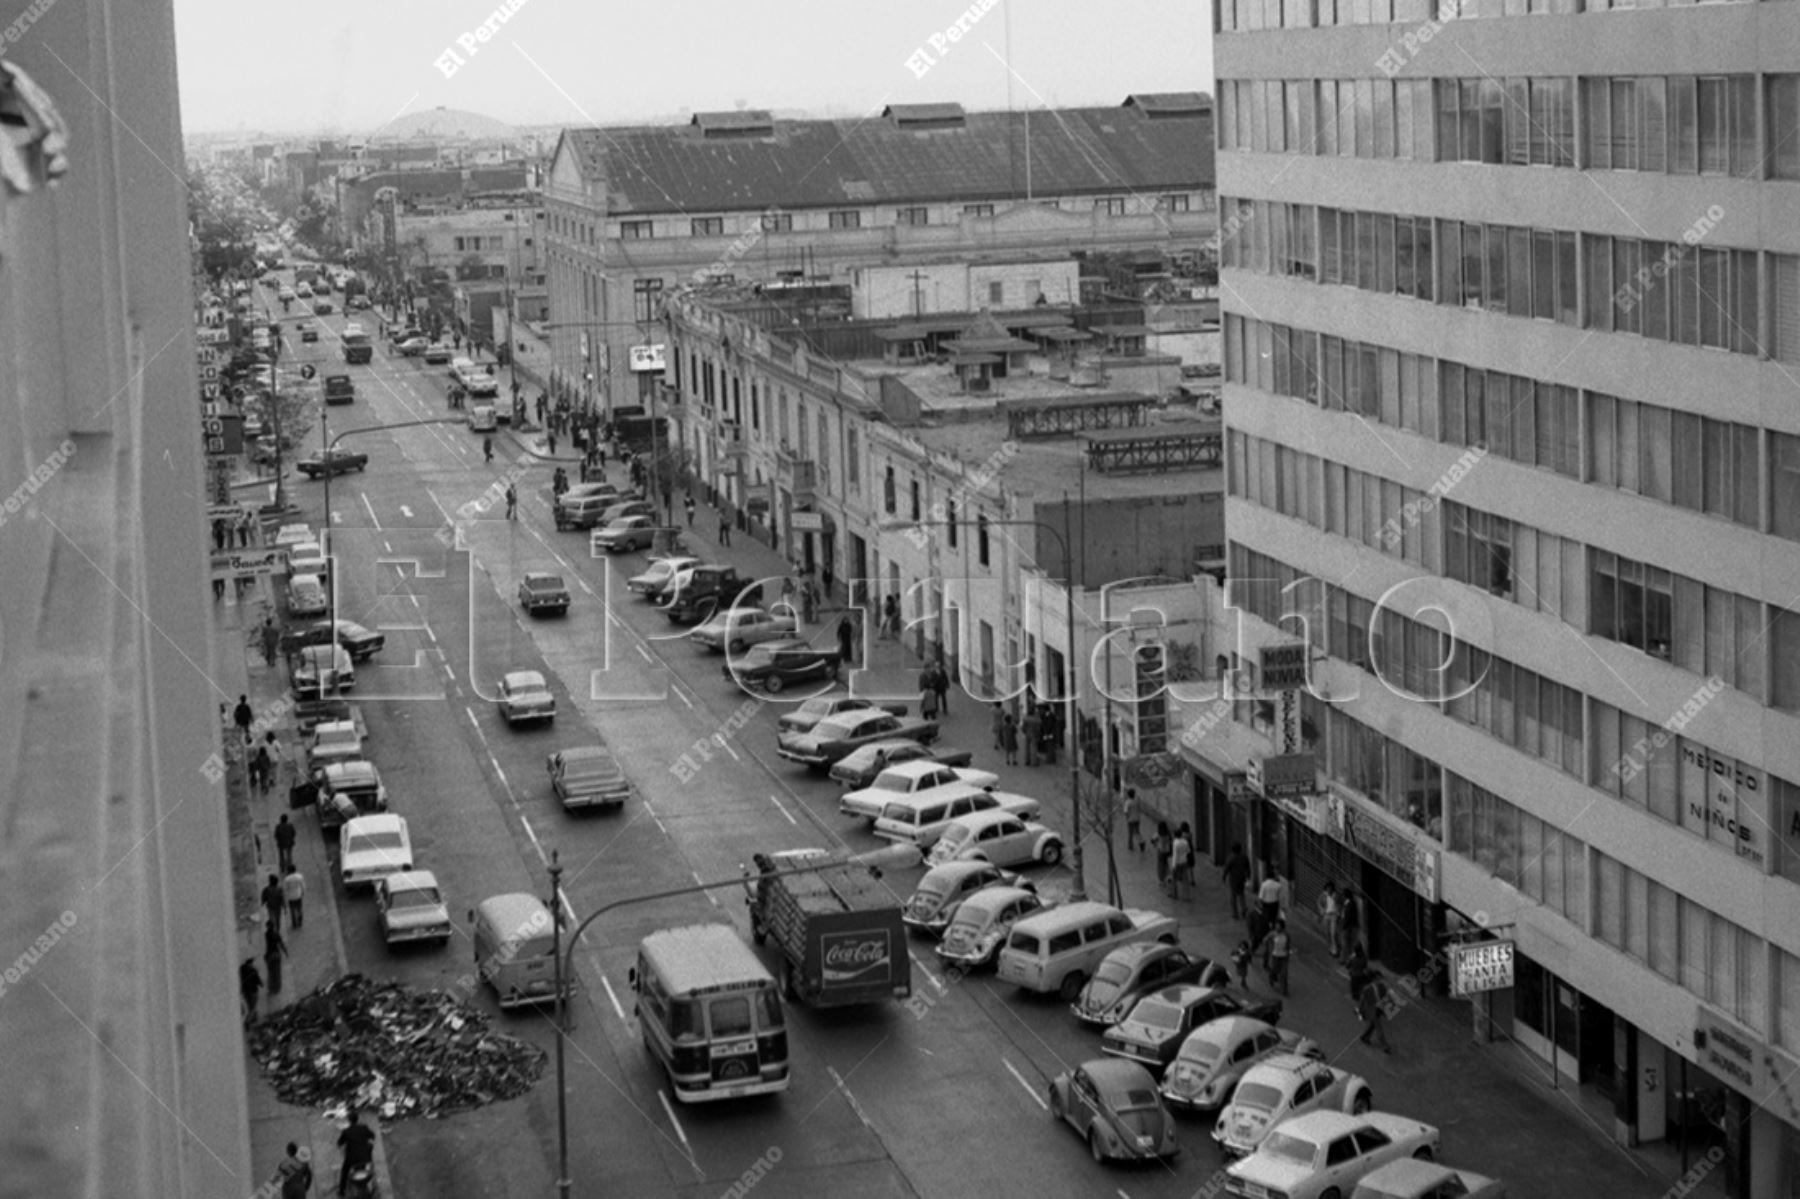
pixel 1150 712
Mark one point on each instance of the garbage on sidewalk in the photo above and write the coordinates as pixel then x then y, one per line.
pixel 385 1047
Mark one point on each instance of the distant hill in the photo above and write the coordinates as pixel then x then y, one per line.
pixel 443 124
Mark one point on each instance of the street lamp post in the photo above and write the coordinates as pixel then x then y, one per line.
pixel 1079 891
pixel 899 856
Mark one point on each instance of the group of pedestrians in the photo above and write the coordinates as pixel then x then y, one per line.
pixel 1038 733
pixel 934 690
pixel 283 895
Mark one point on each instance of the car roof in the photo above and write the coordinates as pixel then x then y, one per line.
pixel 524 678
pixel 1412 1174
pixel 541 575
pixel 1290 1063
pixel 996 897
pixel 853 718
pixel 1113 1074
pixel 1320 1126
pixel 585 753
pixel 348 767
pixel 787 643
pixel 412 880
pixel 915 767
pixel 955 870
pixel 935 795
pixel 1226 1029
pixel 378 822
pixel 333 726
pixel 980 820
pixel 1078 912
pixel 1183 994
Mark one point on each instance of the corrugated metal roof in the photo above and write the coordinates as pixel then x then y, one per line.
pixel 818 164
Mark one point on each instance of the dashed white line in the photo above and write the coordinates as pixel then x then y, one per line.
pixel 430 636
pixel 926 971
pixel 776 800
pixel 614 999
pixel 406 512
pixel 726 746
pixel 1029 1089
pixel 373 519
pixel 682 696
pixel 389 548
pixel 448 673
pixel 644 653
pixel 849 1098
pixel 664 1096
pixel 535 843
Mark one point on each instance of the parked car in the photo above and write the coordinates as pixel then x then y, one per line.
pixel 1415 1178
pixel 919 820
pixel 628 534
pixel 975 934
pixel 1152 1031
pixel 524 695
pixel 658 572
pixel 361 643
pixel 306 558
pixel 373 847
pixel 620 509
pixel 864 766
pixel 348 788
pixel 999 837
pixel 774 666
pixel 700 592
pixel 332 462
pixel 1214 1058
pixel 933 904
pixel 412 347
pixel 1114 1107
pixel 322 308
pixel 308 331
pixel 318 669
pixel 1053 952
pixel 541 592
pixel 333 741
pixel 411 907
pixel 1130 972
pixel 808 715
pixel 842 734
pixel 1284 1086
pixel 1325 1154
pixel 902 779
pixel 306 596
pixel 736 629
pixel 436 353
pixel 588 776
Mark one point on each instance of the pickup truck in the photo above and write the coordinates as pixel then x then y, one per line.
pixel 706 591
pixel 838 930
pixel 540 593
pixel 837 738
pixel 339 389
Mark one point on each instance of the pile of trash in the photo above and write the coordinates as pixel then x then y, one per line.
pixel 384 1047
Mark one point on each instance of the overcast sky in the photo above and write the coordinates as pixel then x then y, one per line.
pixel 353 65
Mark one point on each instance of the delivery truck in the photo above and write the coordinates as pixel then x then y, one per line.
pixel 838 930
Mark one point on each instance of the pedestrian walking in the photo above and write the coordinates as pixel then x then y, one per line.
pixel 1269 895
pixel 1352 919
pixel 277 758
pixel 1009 740
pixel 1275 957
pixel 1181 861
pixel 293 889
pixel 724 526
pixel 1373 1008
pixel 243 717
pixel 846 641
pixel 358 1145
pixel 809 596
pixel 550 440
pixel 687 506
pixel 1053 729
pixel 1259 929
pixel 927 700
pixel 249 988
pixel 999 726
pixel 890 617
pixel 540 408
pixel 262 769
pixel 512 502
pixel 271 640
pixel 1134 821
pixel 220 533
pixel 273 900
pixel 284 842
pixel 1358 968
pixel 1240 963
pixel 1331 916
pixel 243 530
pixel 1237 877
pixel 274 949
pixel 1032 727
pixel 1164 846
pixel 487 449
pixel 294 1176
pixel 941 680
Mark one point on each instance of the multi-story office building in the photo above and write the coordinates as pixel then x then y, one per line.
pixel 636 212
pixel 1512 302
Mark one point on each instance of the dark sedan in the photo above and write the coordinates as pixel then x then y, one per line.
pixel 860 768
pixel 332 462
pixel 840 736
pixel 362 643
pixel 774 666
pixel 1130 972
pixel 1152 1031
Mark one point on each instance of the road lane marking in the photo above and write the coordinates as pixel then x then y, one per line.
pixel 645 654
pixel 406 512
pixel 389 548
pixel 664 1096
pixel 682 696
pixel 726 746
pixel 926 971
pixel 1029 1089
pixel 614 1000
pixel 776 800
pixel 370 508
pixel 431 636
pixel 448 673
pixel 849 1098
pixel 584 583
pixel 535 843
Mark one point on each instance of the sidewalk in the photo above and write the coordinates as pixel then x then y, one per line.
pixel 316 950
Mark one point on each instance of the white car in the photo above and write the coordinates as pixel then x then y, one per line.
pixel 333 741
pixel 919 820
pixel 998 837
pixel 1284 1086
pixel 659 572
pixel 1325 1154
pixel 910 778
pixel 289 535
pixel 1215 1057
pixel 412 907
pixel 524 695
pixel 372 847
pixel 737 629
pixel 307 558
pixel 319 669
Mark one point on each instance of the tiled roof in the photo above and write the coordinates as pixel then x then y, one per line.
pixel 819 164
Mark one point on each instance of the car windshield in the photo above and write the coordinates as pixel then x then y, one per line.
pixel 955 835
pixel 382 842
pixel 1155 1014
pixel 1114 973
pixel 1258 1095
pixel 585 767
pixel 932 888
pixel 760 654
pixel 1025 943
pixel 730 1016
pixel 417 897
pixel 1202 1053
pixel 1283 1147
pixel 970 918
pixel 814 707
pixel 1134 1100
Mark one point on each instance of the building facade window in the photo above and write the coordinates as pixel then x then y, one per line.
pixel 636 230
pixel 951 528
pixel 981 539
pixel 1110 206
pixel 1536 858
pixel 846 218
pixel 889 501
pixel 777 222
pixel 918 507
pixel 978 210
pixel 646 300
pixel 852 460
pixel 707 226
pixel 1176 202
pixel 913 215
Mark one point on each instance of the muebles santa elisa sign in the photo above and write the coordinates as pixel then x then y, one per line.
pixel 1481 966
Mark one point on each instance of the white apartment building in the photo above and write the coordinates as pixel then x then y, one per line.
pixel 1512 323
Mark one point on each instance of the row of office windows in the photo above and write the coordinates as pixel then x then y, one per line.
pixel 1738 808
pixel 644 229
pixel 1423 19
pixel 1708 630
pixel 1688 294
pixel 1673 124
pixel 1703 465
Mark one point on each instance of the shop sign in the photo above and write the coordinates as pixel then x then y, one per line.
pixel 1284 776
pixel 808 522
pixel 1399 854
pixel 647 358
pixel 1283 667
pixel 245 563
pixel 1308 810
pixel 1768 1078
pixel 1728 800
pixel 1481 966
pixel 1237 788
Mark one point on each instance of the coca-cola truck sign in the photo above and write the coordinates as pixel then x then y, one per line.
pixel 851 958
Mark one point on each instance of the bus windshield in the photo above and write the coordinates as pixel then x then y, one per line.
pixel 731 1016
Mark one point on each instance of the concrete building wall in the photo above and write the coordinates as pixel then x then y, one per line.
pixel 961 287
